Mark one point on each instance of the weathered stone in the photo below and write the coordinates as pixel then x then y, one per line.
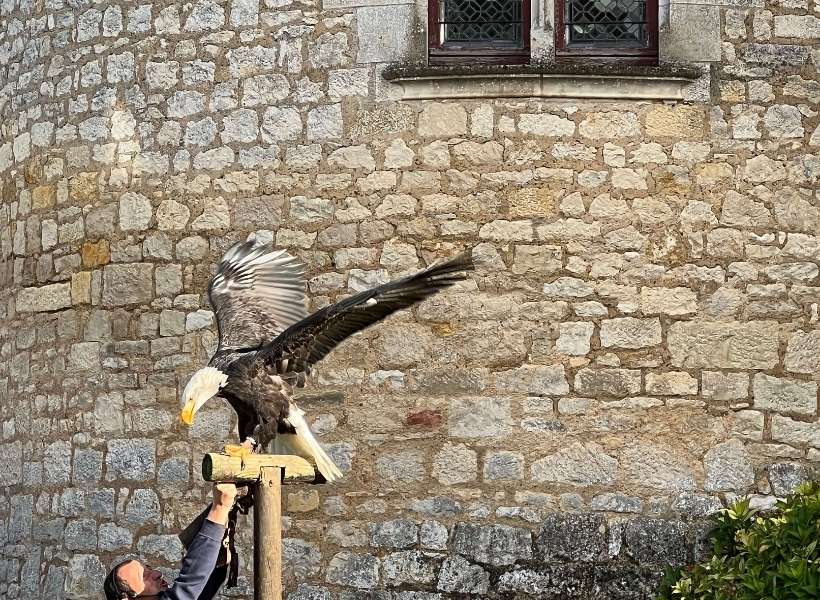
pixel 676 383
pixel 653 467
pixel 524 581
pixel 797 26
pixel 536 259
pixel 133 459
pixel 784 395
pixel 142 508
pixel 324 122
pixel 785 477
pixel 610 125
pixel 300 558
pixel 607 382
pixel 503 465
pixel 783 121
pixel 455 463
pixel 405 467
pixel 43 299
pixel 681 121
pixel 724 386
pixel 629 332
pixel 479 418
pixel 616 502
pixel 442 120
pixel 135 212
pixel 538 380
pixel 163 547
pixel 668 301
pixel 85 575
pixel 458 575
pixel 493 544
pixel 545 125
pixel 574 338
pixel 399 533
pixel 761 169
pixel 112 538
pixel 580 464
pixel 354 570
pixel 568 287
pixel 11 456
pixel 656 542
pixel 728 467
pixel 803 352
pixel 384 32
pixel 127 284
pixel 352 157
pixel 569 537
pixel 723 345
pixel 409 567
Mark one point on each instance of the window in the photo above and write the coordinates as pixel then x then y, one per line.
pixel 479 31
pixel 626 30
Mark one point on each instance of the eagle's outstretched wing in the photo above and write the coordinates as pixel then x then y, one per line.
pixel 305 343
pixel 256 295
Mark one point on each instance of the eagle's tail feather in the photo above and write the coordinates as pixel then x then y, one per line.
pixel 303 443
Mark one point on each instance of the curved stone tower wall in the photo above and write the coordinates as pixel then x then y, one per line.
pixel 639 344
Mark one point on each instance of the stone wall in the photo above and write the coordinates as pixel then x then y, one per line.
pixel 639 345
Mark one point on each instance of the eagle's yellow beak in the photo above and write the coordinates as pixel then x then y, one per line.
pixel 187 414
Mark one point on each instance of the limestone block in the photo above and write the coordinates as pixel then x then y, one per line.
pixel 579 464
pixel 442 120
pixel 479 418
pixel 784 395
pixel 723 345
pixel 803 352
pixel 355 570
pixel 384 32
pixel 693 34
pixel 610 125
pixel 43 299
pixel 650 466
pixel 629 332
pixel 668 301
pixel 545 125
pixel 125 284
pixel 728 467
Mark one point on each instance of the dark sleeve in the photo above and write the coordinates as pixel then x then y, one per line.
pixel 218 577
pixel 198 564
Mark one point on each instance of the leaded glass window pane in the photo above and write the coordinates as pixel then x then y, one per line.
pixel 481 22
pixel 606 23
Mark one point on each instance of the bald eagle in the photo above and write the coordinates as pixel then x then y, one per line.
pixel 268 343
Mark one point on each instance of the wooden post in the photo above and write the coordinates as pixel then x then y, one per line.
pixel 267 473
pixel 267 535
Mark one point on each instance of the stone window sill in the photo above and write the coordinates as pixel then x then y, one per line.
pixel 604 81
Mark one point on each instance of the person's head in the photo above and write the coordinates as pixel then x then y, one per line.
pixel 133 579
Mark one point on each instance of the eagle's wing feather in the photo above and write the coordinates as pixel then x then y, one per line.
pixel 256 294
pixel 305 343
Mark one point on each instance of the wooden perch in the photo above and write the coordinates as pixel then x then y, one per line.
pixel 267 473
pixel 218 467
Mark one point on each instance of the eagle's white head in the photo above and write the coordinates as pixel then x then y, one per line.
pixel 203 385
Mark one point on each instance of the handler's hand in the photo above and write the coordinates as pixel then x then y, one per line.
pixel 224 494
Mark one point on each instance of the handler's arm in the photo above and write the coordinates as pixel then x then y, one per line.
pixel 200 560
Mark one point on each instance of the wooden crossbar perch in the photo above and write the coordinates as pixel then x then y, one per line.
pixel 267 473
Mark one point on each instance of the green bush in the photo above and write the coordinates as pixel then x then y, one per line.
pixel 771 556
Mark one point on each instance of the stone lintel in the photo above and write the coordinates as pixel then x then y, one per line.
pixel 565 81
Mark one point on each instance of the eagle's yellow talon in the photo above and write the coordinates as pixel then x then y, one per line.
pixel 242 452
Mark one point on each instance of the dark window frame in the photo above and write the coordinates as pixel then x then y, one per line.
pixel 642 56
pixel 440 53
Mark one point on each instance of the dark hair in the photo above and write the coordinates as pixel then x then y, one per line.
pixel 114 587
